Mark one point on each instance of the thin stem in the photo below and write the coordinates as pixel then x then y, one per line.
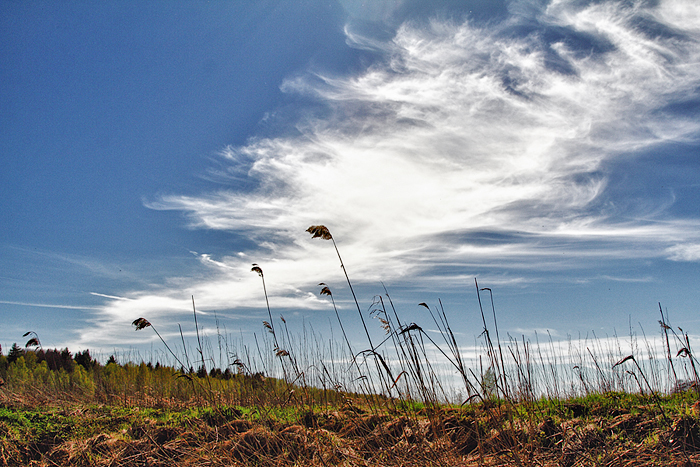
pixel 342 265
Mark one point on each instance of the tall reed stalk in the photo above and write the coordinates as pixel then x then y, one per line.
pixel 322 231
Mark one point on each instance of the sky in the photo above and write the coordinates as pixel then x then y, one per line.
pixel 153 152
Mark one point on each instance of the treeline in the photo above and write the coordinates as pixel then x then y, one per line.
pixel 63 359
pixel 55 359
pixel 36 375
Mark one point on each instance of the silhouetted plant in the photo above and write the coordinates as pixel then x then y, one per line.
pixel 33 341
pixel 321 231
pixel 143 323
pixel 270 325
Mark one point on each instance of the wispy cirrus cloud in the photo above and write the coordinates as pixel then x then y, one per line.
pixel 113 297
pixel 462 145
pixel 49 305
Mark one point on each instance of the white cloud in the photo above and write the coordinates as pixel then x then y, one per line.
pixel 460 129
pixel 113 297
pixel 684 252
pixel 48 305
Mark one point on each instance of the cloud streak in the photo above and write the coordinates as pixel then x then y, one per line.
pixel 47 305
pixel 462 145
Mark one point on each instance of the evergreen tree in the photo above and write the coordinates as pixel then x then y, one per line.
pixel 85 360
pixel 67 361
pixel 15 352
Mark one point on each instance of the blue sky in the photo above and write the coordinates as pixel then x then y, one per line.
pixel 152 152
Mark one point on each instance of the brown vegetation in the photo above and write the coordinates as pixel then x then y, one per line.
pixel 476 435
pixel 385 405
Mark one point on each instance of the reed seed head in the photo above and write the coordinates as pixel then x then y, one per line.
pixel 320 231
pixel 237 362
pixel 141 323
pixel 629 357
pixel 411 327
pixel 33 342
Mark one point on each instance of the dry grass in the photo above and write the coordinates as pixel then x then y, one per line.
pixel 385 405
pixel 482 434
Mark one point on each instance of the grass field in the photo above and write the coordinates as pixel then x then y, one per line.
pixel 69 428
pixel 410 399
pixel 527 408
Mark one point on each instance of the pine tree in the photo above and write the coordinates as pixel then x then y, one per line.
pixel 15 352
pixel 84 359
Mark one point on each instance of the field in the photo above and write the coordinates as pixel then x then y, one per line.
pixel 46 425
pixel 60 409
pixel 411 399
